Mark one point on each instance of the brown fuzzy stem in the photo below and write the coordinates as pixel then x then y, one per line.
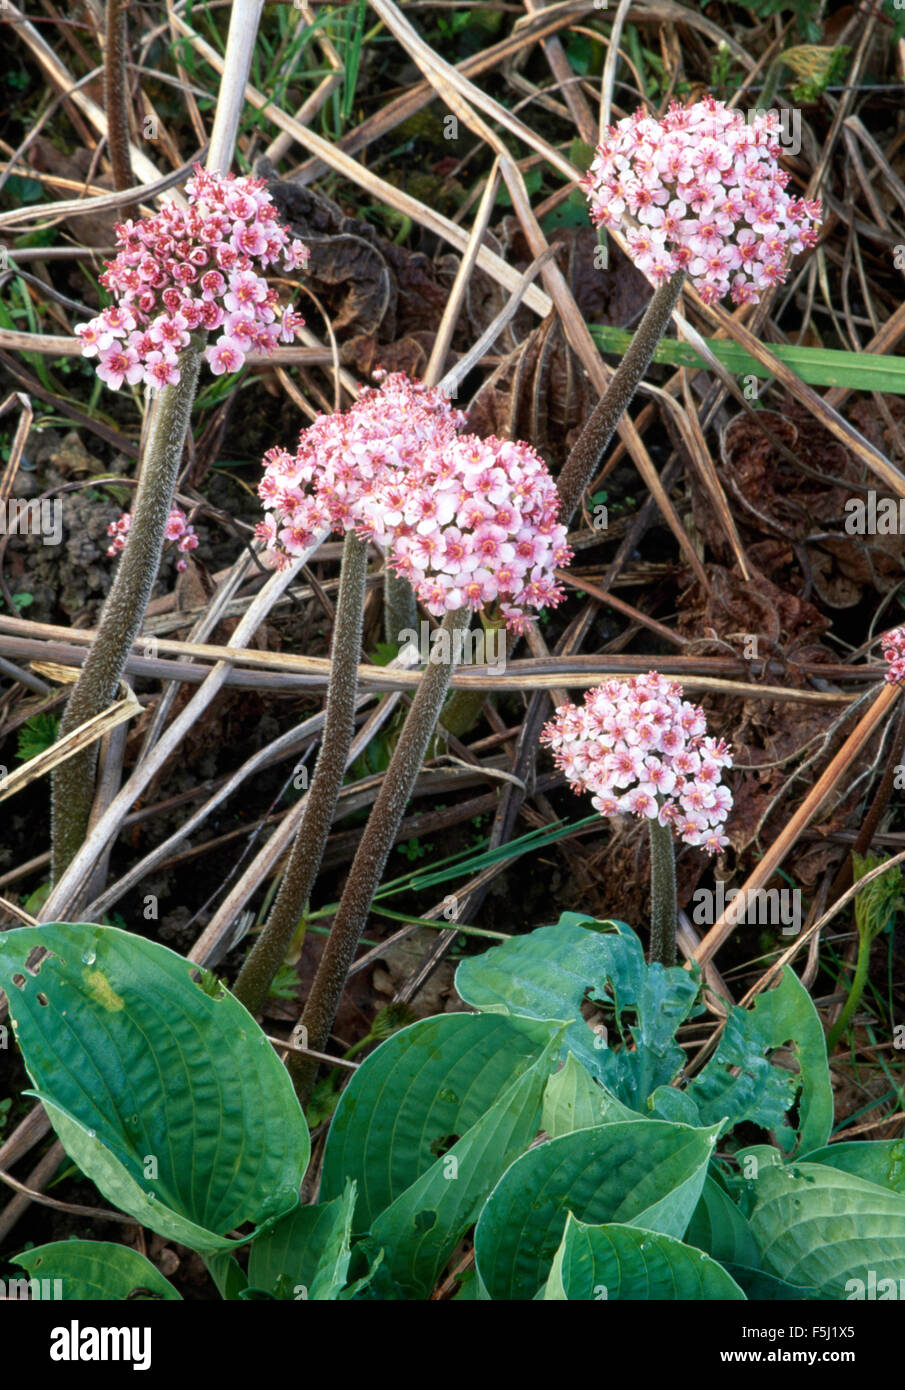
pixel 400 607
pixel 373 852
pixel 256 976
pixel 663 906
pixel 123 612
pixel 588 451
pixel 116 99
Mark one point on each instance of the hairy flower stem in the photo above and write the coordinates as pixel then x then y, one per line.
pixel 663 908
pixel 121 617
pixel 587 453
pixel 115 99
pixel 463 708
pixel 372 854
pixel 256 976
pixel 400 607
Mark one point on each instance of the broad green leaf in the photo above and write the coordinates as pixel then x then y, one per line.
pixel 574 1100
pixel 418 1092
pixel 762 1092
pixel 761 1287
pixel 115 1180
pixel 616 1262
pixel 669 1103
pixel 641 1173
pixel 420 1231
pixel 817 1226
pixel 718 1227
pixel 306 1254
pixel 881 1161
pixel 162 1087
pixel 95 1269
pixel 548 973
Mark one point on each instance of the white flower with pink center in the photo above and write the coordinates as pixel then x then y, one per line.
pixel 600 749
pixel 181 271
pixel 466 521
pixel 118 364
pixel 225 355
pixel 177 529
pixel 707 160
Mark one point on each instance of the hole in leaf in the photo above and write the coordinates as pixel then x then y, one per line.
pixel 19 981
pixel 43 1000
pixel 439 1147
pixel 208 982
pixel 425 1220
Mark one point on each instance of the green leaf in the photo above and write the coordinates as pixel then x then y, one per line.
pixel 425 1085
pixel 547 975
pixel 718 1227
pixel 36 735
pixel 227 1274
pixel 167 1096
pixel 641 1173
pixel 574 1100
pixel 818 1226
pixel 880 1161
pixel 855 371
pixel 97 1270
pixel 762 1092
pixel 422 1228
pixel 308 1250
pixel 616 1262
pixel 668 1103
pixel 761 1287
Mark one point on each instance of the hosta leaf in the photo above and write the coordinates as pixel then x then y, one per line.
pixel 641 1172
pixel 881 1161
pixel 718 1227
pixel 306 1254
pixel 419 1232
pixel 96 1269
pixel 668 1103
pixel 418 1092
pixel 818 1226
pixel 761 1287
pixel 574 1100
pixel 762 1092
pixel 163 1089
pixel 616 1262
pixel 547 975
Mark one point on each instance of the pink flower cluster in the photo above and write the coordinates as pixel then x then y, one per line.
pixel 642 750
pixel 194 269
pixel 467 521
pixel 894 652
pixel 705 186
pixel 178 529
